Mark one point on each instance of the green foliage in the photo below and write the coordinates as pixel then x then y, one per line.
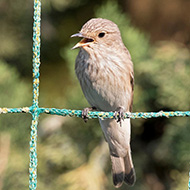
pixel 15 33
pixel 14 92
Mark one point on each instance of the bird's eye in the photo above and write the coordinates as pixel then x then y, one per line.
pixel 101 34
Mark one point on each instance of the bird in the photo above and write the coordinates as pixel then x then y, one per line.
pixel 104 69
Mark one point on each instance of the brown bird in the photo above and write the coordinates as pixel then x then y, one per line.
pixel 105 72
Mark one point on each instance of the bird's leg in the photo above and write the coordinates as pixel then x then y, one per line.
pixel 119 111
pixel 85 113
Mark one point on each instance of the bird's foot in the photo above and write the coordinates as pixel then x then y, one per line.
pixel 119 114
pixel 85 113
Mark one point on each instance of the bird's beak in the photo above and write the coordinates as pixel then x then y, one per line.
pixel 77 35
pixel 83 42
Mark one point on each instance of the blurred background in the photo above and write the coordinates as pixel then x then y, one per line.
pixel 72 155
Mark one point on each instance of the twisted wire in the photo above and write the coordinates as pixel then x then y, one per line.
pixel 35 102
pixel 95 114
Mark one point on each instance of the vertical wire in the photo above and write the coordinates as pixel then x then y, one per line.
pixel 35 104
pixel 189 182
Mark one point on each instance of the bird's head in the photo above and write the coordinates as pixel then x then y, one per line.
pixel 98 31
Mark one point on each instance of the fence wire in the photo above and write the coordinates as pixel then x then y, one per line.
pixel 35 110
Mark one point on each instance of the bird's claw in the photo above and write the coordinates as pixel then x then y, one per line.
pixel 85 113
pixel 119 117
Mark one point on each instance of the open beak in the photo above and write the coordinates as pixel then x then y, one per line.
pixel 85 41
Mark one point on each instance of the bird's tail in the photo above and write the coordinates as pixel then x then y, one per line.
pixel 118 170
pixel 123 170
pixel 130 176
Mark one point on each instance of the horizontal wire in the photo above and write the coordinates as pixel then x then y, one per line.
pixel 95 114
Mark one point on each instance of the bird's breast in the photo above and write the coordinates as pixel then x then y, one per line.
pixel 102 81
